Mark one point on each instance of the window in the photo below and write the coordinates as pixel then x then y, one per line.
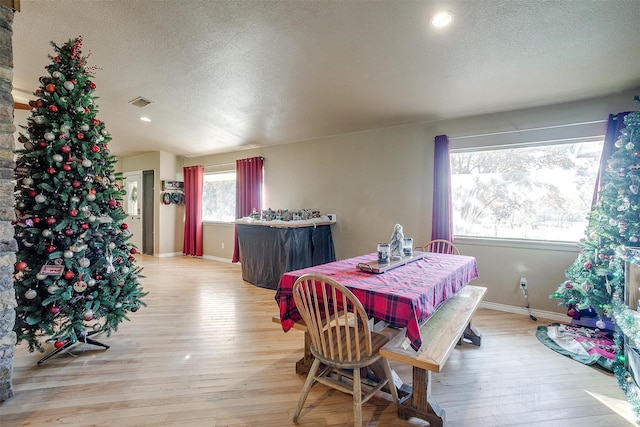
pixel 219 197
pixel 537 192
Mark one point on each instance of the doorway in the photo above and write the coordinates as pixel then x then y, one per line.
pixel 148 183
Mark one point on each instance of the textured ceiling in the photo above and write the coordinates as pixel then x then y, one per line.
pixel 228 75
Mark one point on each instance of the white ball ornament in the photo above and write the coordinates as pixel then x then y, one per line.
pixel 38 119
pixel 40 276
pixel 67 254
pixel 27 181
pixel 125 269
pixel 49 136
pixel 79 109
pixel 65 128
pixel 91 197
pixel 40 198
pixel 68 85
pixel 92 218
pixel 84 262
pixel 52 289
pixel 30 294
pixel 600 324
pixel 86 163
pixel 56 74
pixel 112 245
pixel 88 315
pixel 91 282
pixel 118 305
pixel 97 327
pixel 46 233
pixel 57 157
pixel 104 132
pixel 75 199
pixel 84 127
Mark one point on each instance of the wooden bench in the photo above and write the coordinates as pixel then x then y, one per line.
pixel 440 334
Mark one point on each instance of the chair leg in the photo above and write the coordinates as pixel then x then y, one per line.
pixel 307 387
pixel 357 399
pixel 390 383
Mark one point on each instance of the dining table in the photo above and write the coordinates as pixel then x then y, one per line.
pixel 401 297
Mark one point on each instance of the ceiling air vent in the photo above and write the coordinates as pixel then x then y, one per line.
pixel 140 102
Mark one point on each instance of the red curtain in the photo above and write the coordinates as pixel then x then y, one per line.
pixel 249 179
pixel 193 183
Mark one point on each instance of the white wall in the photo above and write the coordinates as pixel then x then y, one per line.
pixel 375 179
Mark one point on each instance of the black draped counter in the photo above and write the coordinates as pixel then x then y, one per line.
pixel 267 252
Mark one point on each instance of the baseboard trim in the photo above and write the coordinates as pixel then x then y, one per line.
pixel 217 258
pixel 168 254
pixel 563 318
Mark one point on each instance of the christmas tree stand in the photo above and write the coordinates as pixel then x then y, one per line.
pixel 68 344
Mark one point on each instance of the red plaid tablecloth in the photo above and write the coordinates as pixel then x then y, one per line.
pixel 403 297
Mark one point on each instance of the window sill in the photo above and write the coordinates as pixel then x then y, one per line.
pixel 219 223
pixel 518 243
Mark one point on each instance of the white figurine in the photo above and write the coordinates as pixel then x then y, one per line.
pixel 397 240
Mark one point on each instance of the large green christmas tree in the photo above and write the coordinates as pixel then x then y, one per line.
pixel 75 273
pixel 614 225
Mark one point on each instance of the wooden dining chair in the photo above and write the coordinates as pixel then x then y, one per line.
pixel 441 246
pixel 341 340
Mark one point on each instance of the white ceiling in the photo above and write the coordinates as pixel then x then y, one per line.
pixel 229 75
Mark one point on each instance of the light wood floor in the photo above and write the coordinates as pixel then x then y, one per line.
pixel 205 353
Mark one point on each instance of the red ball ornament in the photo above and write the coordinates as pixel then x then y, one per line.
pixel 587 265
pixel 53 108
pixel 69 275
pixel 51 248
pixel 68 231
pixel 39 103
pixel 84 226
pixel 86 110
pixel 65 148
pixel 21 265
pixel 124 226
pixel 92 85
pixel 80 135
pixel 51 170
pixel 112 202
pixel 50 88
pixel 58 344
pixel 50 221
pixel 95 148
pixel 54 310
pixel 98 277
pixel 32 193
pixel 76 184
pixel 73 212
pixel 121 284
pixel 95 121
pixel 133 251
pixel 57 59
pixel 66 167
pixel 43 144
pixel 36 219
pixel 132 258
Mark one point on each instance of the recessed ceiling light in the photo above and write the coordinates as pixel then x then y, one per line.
pixel 442 19
pixel 145 119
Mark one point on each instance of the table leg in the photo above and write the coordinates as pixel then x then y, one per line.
pixel 420 403
pixel 473 335
pixel 304 365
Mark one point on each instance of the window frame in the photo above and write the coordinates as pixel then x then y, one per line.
pixel 218 172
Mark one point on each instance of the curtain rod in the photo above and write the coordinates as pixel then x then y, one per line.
pixel 219 165
pixel 525 130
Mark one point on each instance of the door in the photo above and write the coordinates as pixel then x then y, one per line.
pixel 133 206
pixel 147 211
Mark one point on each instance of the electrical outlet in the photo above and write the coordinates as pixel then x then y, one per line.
pixel 523 283
pixel 222 244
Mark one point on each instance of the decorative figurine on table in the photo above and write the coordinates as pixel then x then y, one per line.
pixel 397 242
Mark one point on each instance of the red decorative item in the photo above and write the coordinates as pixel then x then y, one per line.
pixel 587 265
pixel 112 202
pixel 50 221
pixel 65 148
pixel 76 184
pixel 58 344
pixel 124 226
pixel 54 310
pixel 51 170
pixel 95 121
pixel 84 226
pixel 132 258
pixel 36 220
pixel 51 248
pixel 68 231
pixel 80 135
pixel 50 88
pixel 98 277
pixel 57 59
pixel 43 144
pixel 95 148
pixel 121 284
pixel 92 85
pixel 53 108
pixel 21 265
pixel 32 193
pixel 568 285
pixel 133 251
pixel 39 103
pixel 66 167
pixel 73 212
pixel 69 275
